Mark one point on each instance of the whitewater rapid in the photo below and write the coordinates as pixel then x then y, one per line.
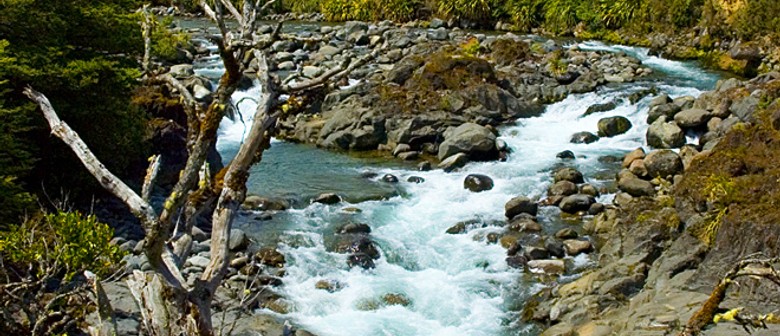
pixel 456 284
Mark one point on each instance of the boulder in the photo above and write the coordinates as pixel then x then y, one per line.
pixel 264 204
pixel 633 185
pixel 415 179
pixel 663 163
pixel 555 248
pixel 638 168
pixel 583 137
pixel 535 253
pixel 568 174
pixel 454 162
pixel 478 142
pixel 665 110
pixel 612 126
pixel 238 240
pixel 547 266
pixel 409 156
pixel 576 203
pixel 636 154
pixel 520 205
pixel 478 182
pixel 575 246
pixel 438 34
pixel 589 189
pixel 567 154
pixel 327 198
pixel 180 71
pixel 562 188
pixel 692 118
pixel 662 134
pixel 516 261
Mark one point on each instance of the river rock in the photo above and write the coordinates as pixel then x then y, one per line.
pixel 181 71
pixel 409 156
pixel 535 253
pixel 612 126
pixel 331 286
pixel 238 240
pixel 575 247
pixel 665 110
pixel 583 138
pixel 478 182
pixel 454 162
pixel 360 259
pixel 633 185
pixel 662 134
pixel 661 99
pixel 567 154
pixel 254 202
pixel 562 188
pixel 478 142
pixel 415 179
pixel 568 174
pixel 310 71
pixel 519 205
pixel 438 34
pixel 354 228
pixel 327 198
pixel 401 148
pixel 609 106
pixel 636 154
pixel 516 261
pixel 663 163
pixel 638 168
pixel 576 203
pixel 555 248
pixel 389 178
pixel 198 261
pixel 692 118
pixel 270 257
pixel 548 266
pixel 566 233
pixel 524 223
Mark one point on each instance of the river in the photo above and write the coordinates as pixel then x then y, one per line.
pixel 455 284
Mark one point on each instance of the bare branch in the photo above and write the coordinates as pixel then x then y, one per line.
pixel 146 25
pixel 266 6
pixel 216 16
pixel 334 74
pixel 233 11
pixel 151 176
pixel 109 181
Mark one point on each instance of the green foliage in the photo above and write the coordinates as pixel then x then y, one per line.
pixel 757 17
pixel 81 54
pixel 560 15
pixel 525 14
pixel 480 11
pixel 65 240
pixel 370 10
pixel 615 14
pixel 165 43
pixel 471 47
pixel 302 6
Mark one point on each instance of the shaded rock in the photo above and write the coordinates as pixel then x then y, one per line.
pixel 415 179
pixel 535 253
pixel 478 182
pixel 612 126
pixel 519 205
pixel 662 134
pixel 596 208
pixel 555 248
pixel 634 186
pixel 547 266
pixel 238 240
pixel 362 260
pixel 478 142
pixel 609 106
pixel 354 228
pixel 568 174
pixel 327 198
pixel 389 178
pixel 665 110
pixel 576 203
pixel 567 154
pixel 516 261
pixel 663 163
pixel 575 247
pixel 270 257
pixel 692 118
pixel 454 162
pixel 583 137
pixel 562 188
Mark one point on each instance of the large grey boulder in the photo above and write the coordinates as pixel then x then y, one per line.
pixel 663 163
pixel 662 134
pixel 612 126
pixel 476 141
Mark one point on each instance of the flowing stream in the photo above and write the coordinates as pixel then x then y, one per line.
pixel 456 284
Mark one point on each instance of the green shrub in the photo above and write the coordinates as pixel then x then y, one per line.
pixel 480 11
pixel 560 15
pixel 165 43
pixel 67 240
pixel 525 14
pixel 617 13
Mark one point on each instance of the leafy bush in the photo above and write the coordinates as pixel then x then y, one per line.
pixel 480 11
pixel 617 13
pixel 525 14
pixel 165 43
pixel 560 15
pixel 65 240
pixel 757 17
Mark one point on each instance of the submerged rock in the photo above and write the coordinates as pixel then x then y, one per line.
pixel 478 182
pixel 327 198
pixel 584 138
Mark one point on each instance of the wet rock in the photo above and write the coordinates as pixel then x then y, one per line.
pixel 516 261
pixel 270 257
pixel 566 233
pixel 596 208
pixel 239 262
pixel 362 260
pixel 424 166
pixel 662 134
pixel 519 205
pixel 692 118
pixel 576 203
pixel 568 174
pixel 238 240
pixel 454 162
pixel 524 223
pixel 589 189
pixel 327 198
pixel 633 185
pixel 389 178
pixel 354 228
pixel 409 156
pixel 478 142
pixel 562 188
pixel 547 266
pixel 478 182
pixel 596 108
pixel 415 179
pixel 567 154
pixel 583 138
pixel 663 163
pixel 575 247
pixel 535 253
pixel 264 204
pixel 331 286
pixel 612 126
pixel 393 299
pixel 666 110
pixel 555 248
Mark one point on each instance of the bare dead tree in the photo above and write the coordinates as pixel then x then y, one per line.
pixel 708 313
pixel 168 304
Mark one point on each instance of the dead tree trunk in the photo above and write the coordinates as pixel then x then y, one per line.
pixel 168 304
